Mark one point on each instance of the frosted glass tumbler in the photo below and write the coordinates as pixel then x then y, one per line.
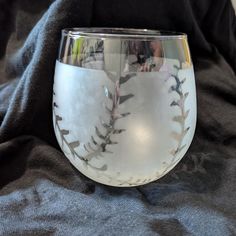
pixel 124 102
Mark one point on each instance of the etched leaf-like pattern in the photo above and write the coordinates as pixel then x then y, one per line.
pixel 99 134
pixel 175 103
pixel 123 115
pixel 124 79
pixel 63 133
pixel 114 114
pixel 118 131
pixel 74 144
pixel 125 98
pixel 180 119
pixel 93 140
pixel 186 95
pixel 58 118
pixel 185 114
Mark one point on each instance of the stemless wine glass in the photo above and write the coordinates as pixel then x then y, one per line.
pixel 124 102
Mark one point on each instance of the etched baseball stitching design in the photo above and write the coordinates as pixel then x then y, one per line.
pixel 117 99
pixel 71 145
pixel 110 130
pixel 114 114
pixel 177 136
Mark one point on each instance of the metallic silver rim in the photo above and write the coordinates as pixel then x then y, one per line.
pixel 123 33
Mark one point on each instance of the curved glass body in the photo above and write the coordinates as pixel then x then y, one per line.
pixel 124 104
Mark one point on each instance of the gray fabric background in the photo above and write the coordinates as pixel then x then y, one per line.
pixel 24 16
pixel 42 194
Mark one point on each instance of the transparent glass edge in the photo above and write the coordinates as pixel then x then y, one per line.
pixel 87 33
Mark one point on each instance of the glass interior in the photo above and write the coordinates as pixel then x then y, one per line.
pixel 123 50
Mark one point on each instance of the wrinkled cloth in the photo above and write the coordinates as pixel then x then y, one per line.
pixel 41 193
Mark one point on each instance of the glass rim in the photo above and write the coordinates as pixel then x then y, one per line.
pixel 123 33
